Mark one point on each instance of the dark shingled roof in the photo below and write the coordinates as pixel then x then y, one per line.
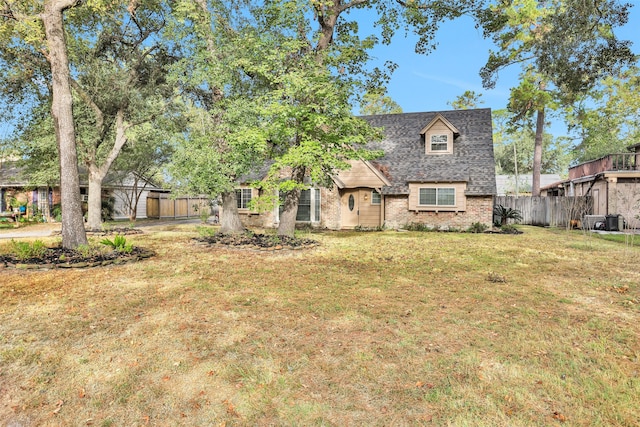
pixel 405 160
pixel 12 175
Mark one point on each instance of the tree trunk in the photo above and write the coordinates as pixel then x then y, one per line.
pixel 73 232
pixel 97 173
pixel 94 204
pixel 537 153
pixel 133 200
pixel 230 222
pixel 287 226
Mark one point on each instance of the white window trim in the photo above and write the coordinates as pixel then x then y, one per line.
pixel 373 192
pixel 244 206
pixel 429 142
pixel 437 205
pixel 312 213
pixel 445 142
pixel 312 208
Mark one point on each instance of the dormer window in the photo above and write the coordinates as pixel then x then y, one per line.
pixel 439 135
pixel 439 143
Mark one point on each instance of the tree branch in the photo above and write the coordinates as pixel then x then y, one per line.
pixel 63 5
pixel 9 12
pixel 121 139
pixel 87 99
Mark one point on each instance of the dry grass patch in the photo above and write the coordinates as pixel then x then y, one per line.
pixel 366 329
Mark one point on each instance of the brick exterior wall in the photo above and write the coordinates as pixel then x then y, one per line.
pixel 397 215
pixel 254 220
pixel 330 208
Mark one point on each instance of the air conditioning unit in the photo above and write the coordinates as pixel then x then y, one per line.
pixel 84 197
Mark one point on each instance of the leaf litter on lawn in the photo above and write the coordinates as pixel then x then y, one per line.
pixel 374 328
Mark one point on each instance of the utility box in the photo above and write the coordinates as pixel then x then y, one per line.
pixel 614 223
pixel 593 222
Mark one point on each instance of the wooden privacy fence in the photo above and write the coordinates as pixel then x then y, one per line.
pixel 548 211
pixel 162 205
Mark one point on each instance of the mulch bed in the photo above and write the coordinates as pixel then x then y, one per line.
pixel 263 242
pixel 125 231
pixel 68 258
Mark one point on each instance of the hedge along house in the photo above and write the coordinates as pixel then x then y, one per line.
pixel 437 169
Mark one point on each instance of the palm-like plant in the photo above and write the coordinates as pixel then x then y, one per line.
pixel 506 213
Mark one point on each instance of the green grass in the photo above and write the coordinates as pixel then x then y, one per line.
pixel 624 238
pixel 380 328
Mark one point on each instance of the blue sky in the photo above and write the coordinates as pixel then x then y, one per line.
pixel 428 82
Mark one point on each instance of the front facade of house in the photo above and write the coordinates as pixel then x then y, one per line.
pixel 613 183
pixel 438 169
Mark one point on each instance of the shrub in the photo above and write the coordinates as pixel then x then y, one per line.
pixel 87 251
pixel 506 213
pixel 26 250
pixel 206 231
pixel 362 228
pixel 107 208
pixel 510 229
pixel 477 227
pixel 418 226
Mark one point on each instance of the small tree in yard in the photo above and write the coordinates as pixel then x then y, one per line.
pixel 574 209
pixel 141 163
pixel 628 205
pixel 506 213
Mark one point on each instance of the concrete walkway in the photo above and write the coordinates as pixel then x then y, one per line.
pixel 38 230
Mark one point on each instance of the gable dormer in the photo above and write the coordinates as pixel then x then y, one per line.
pixel 438 136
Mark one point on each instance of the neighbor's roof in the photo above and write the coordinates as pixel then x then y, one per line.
pixel 507 183
pixel 14 175
pixel 11 175
pixel 405 160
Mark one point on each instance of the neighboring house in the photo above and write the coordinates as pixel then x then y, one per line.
pixel 129 194
pixel 15 186
pixel 15 191
pixel 506 184
pixel 438 169
pixel 612 181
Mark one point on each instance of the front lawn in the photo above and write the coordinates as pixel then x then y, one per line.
pixel 381 328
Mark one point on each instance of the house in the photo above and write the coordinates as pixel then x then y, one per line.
pixel 15 191
pixel 438 169
pixel 612 181
pixel 15 188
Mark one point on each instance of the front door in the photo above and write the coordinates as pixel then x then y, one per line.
pixel 350 209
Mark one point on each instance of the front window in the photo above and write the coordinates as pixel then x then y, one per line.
pixel 439 142
pixel 309 205
pixel 243 196
pixel 304 206
pixel 438 196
